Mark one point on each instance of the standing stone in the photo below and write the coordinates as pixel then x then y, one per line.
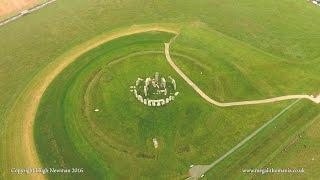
pixel 147 82
pixel 163 82
pixel 167 100
pixel 140 98
pixel 156 77
pixel 135 93
pixel 145 90
pixel 174 84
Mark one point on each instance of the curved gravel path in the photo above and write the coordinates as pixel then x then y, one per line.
pixel 197 171
pixel 240 103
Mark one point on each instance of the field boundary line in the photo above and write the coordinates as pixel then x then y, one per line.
pixel 198 170
pixel 287 142
pixel 25 12
pixel 239 103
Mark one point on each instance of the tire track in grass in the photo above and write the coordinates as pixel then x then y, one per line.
pixel 198 170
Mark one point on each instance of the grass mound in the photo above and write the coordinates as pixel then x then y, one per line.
pixel 116 141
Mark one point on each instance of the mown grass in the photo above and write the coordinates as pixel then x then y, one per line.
pixel 301 151
pixel 38 39
pixel 283 30
pixel 258 152
pixel 116 142
pixel 234 71
pixel 229 70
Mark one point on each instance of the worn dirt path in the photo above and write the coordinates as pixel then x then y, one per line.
pixel 240 103
pixel 20 119
pixel 20 139
pixel 198 170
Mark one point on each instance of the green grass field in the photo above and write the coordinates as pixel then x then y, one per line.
pixel 119 136
pixel 301 151
pixel 234 51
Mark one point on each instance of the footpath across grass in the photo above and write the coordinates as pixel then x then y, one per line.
pixel 116 142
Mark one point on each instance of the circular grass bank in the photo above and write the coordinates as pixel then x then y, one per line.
pixel 115 142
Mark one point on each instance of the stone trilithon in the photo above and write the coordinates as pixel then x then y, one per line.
pixel 155 91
